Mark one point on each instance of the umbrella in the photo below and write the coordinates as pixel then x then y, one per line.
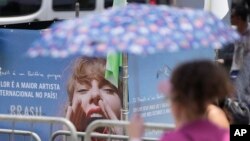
pixel 137 29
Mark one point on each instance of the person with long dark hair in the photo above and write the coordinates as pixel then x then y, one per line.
pixel 193 87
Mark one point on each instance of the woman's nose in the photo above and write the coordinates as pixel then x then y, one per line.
pixel 95 96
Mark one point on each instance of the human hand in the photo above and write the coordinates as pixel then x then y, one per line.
pixel 77 116
pixel 107 111
pixel 136 128
pixel 220 61
pixel 164 87
pixel 110 114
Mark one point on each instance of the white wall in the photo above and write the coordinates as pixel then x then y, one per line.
pixel 200 4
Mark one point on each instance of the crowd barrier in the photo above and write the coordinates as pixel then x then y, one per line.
pixel 13 132
pixel 78 136
pixel 42 119
pixel 81 136
pixel 114 123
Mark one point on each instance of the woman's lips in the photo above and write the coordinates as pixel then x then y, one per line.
pixel 95 113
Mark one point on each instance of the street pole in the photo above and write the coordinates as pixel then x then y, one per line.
pixel 124 78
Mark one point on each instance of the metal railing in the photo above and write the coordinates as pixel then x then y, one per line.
pixel 20 132
pixel 43 119
pixel 86 136
pixel 81 136
pixel 111 123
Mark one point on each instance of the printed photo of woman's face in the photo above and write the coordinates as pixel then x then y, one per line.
pixel 97 100
pixel 93 98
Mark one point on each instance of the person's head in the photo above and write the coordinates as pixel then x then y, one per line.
pixel 88 88
pixel 239 16
pixel 196 84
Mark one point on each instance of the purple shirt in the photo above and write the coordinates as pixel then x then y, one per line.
pixel 201 130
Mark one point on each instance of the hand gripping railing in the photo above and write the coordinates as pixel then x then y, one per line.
pixel 52 120
pixel 112 123
pixel 20 132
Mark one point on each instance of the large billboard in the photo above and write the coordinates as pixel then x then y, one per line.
pixel 73 87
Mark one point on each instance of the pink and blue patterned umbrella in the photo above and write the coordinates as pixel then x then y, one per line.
pixel 137 29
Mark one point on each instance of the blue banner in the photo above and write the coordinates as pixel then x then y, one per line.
pixel 30 86
pixel 145 73
pixel 74 87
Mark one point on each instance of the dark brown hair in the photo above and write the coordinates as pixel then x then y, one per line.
pixel 86 69
pixel 198 83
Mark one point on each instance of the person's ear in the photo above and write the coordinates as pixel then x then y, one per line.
pixel 175 108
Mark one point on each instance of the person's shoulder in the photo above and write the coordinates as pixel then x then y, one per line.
pixel 215 110
pixel 208 131
pixel 217 116
pixel 226 136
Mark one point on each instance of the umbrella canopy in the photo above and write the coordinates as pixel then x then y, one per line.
pixel 137 29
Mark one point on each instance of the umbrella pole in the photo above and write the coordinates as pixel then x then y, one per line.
pixel 77 9
pixel 173 3
pixel 124 83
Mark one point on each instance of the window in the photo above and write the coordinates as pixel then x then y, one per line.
pixel 85 5
pixel 11 8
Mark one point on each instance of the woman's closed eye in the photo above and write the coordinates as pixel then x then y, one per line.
pixel 82 91
pixel 108 90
